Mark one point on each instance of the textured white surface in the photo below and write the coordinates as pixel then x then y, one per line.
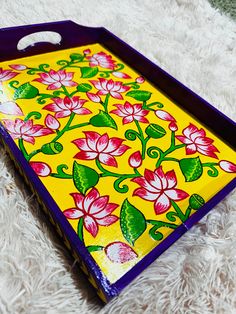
pixel 195 44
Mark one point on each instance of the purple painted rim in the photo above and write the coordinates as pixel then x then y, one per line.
pixel 74 35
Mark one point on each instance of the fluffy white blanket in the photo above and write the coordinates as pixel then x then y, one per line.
pixel 195 44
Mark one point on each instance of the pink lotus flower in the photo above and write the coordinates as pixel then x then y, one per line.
pixel 227 166
pixel 87 51
pixel 119 252
pixel 95 210
pixel 65 107
pixel 140 80
pixel 196 141
pixel 93 97
pixel 56 80
pixel 10 108
pixel 164 115
pixel 18 67
pixel 25 129
pixel 121 75
pixel 159 187
pixel 51 122
pixel 6 75
pixel 135 160
pixel 101 59
pixel 41 168
pixel 101 147
pixel 129 112
pixel 105 87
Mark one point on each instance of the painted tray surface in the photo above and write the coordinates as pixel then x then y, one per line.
pixel 121 167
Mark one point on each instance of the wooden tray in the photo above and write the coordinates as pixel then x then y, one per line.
pixel 122 157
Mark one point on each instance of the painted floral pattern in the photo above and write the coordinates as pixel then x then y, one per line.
pixel 159 187
pixel 196 141
pixel 130 161
pixel 94 209
pixel 25 130
pixel 56 79
pixel 100 147
pixel 110 87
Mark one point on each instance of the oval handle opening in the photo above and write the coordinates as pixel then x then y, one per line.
pixel 39 37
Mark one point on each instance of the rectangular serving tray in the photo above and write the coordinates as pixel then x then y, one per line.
pixel 115 228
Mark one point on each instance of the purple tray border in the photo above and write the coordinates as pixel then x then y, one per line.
pixel 74 35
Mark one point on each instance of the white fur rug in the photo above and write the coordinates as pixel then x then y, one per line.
pixel 197 45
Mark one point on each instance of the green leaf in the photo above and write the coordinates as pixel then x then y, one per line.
pixel 84 87
pixel 141 95
pixel 87 72
pixel 155 131
pixel 191 168
pixel 103 119
pixel 26 91
pixel 132 222
pixel 196 201
pixel 84 177
pixel 76 57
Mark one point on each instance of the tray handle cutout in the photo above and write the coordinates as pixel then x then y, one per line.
pixel 36 38
pixel 72 35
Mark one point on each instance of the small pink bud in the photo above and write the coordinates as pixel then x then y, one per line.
pixel 121 75
pixel 140 80
pixel 18 67
pixel 164 115
pixel 135 160
pixel 40 168
pixel 227 166
pixel 173 126
pixel 51 122
pixel 119 252
pixel 93 97
pixel 87 51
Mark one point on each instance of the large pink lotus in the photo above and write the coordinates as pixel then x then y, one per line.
pixel 196 141
pixel 105 87
pixel 6 75
pixel 25 129
pixel 101 147
pixel 129 113
pixel 64 107
pixel 56 79
pixel 95 210
pixel 159 187
pixel 101 59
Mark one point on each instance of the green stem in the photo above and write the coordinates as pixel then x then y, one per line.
pixel 65 91
pixel 66 128
pixel 178 211
pixel 120 177
pixel 161 224
pixel 172 148
pixel 94 248
pixel 80 229
pixel 210 164
pixel 107 173
pixel 188 212
pixel 105 103
pixel 212 172
pixel 142 139
pixel 59 176
pixel 78 125
pixel 22 148
pixel 32 154
pixel 170 159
